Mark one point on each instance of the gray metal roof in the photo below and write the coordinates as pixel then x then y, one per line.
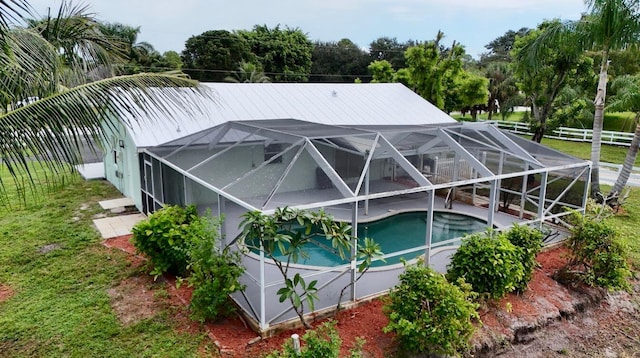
pixel 383 104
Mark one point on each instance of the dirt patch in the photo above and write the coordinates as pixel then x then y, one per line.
pixel 6 292
pixel 133 299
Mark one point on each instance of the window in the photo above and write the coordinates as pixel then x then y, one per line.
pixel 271 151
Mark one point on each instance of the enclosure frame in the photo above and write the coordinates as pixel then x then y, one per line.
pixel 477 157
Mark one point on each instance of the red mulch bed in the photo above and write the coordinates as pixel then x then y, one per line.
pixel 236 340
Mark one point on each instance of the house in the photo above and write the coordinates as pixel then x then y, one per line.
pixel 365 153
pixel 330 104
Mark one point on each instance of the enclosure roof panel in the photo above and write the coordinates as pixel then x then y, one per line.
pixel 243 171
pixel 381 104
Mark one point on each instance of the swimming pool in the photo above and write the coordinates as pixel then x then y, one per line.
pixel 400 232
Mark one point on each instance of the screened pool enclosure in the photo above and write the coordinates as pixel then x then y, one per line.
pixel 362 175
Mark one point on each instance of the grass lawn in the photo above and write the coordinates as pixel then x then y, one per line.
pixel 60 306
pixel 609 153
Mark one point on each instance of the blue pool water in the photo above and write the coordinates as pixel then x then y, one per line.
pixel 398 233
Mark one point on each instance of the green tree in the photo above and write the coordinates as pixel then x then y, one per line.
pixel 608 25
pixel 142 56
pixel 469 91
pixel 284 237
pixel 543 79
pixel 213 55
pixel 42 115
pixel 500 48
pixel 389 49
pixel 285 54
pixel 381 71
pixel 432 69
pixel 341 61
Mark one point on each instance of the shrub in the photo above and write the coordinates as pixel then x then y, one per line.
pixel 529 240
pixel 178 241
pixel 214 272
pixel 323 341
pixel 491 265
pixel 429 314
pixel 162 239
pixel 598 258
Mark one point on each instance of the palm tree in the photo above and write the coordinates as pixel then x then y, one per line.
pixel 627 98
pixel 248 72
pixel 502 87
pixel 45 114
pixel 608 25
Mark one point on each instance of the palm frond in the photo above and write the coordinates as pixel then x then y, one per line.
pixel 56 128
pixel 85 48
pixel 627 94
pixel 29 67
pixel 12 11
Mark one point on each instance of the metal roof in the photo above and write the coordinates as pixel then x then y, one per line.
pixel 382 104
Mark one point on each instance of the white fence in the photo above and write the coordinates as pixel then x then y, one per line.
pixel 572 134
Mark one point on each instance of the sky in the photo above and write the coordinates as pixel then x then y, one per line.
pixel 168 24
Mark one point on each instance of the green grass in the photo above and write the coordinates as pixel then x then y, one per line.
pixel 582 150
pixel 617 122
pixel 60 307
pixel 513 117
pixel 626 222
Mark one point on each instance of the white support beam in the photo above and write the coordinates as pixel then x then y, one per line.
pixel 513 147
pixel 354 251
pixel 367 163
pixel 429 223
pixel 542 197
pixel 565 191
pixel 284 175
pixel 475 163
pixel 264 164
pixel 263 294
pixel 234 145
pixel 492 203
pixel 404 163
pixel 328 170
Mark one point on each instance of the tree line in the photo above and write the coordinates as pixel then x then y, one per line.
pixel 560 69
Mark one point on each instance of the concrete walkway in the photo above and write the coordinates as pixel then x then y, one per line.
pixel 120 225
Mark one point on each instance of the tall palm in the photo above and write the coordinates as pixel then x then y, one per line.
pixel 608 25
pixel 41 116
pixel 627 98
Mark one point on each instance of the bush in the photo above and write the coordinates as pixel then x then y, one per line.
pixel 529 240
pixel 214 272
pixel 491 265
pixel 429 314
pixel 162 239
pixel 178 241
pixel 323 341
pixel 597 256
